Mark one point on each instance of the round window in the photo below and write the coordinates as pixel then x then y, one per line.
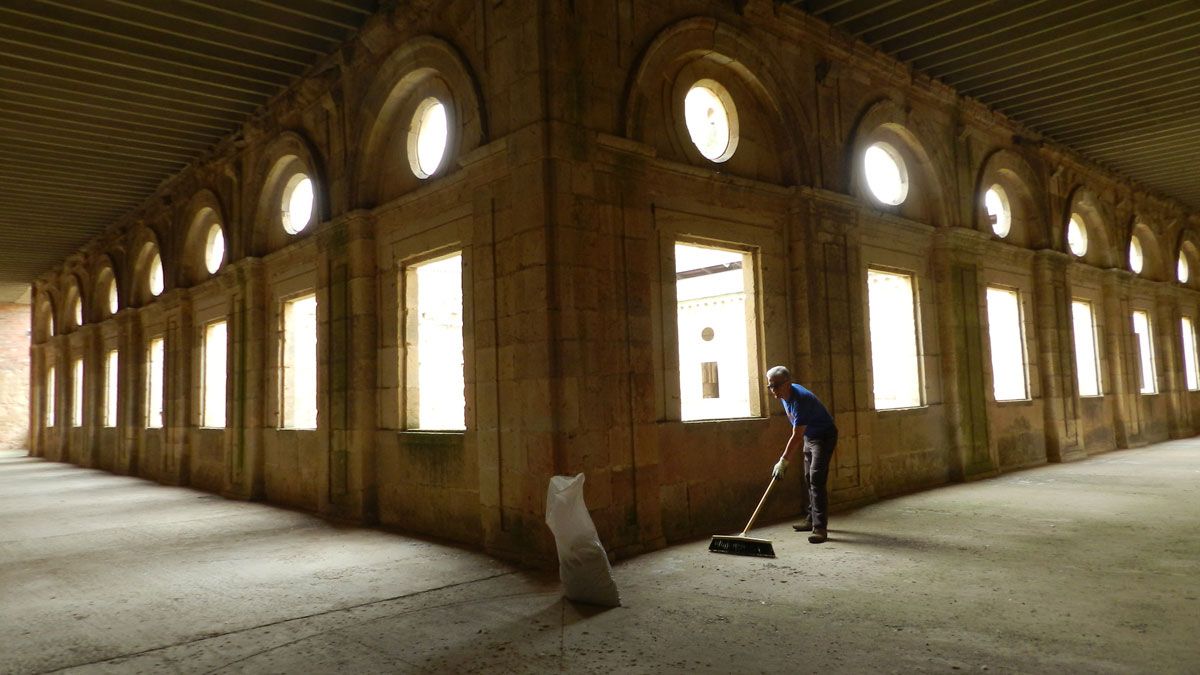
pixel 711 120
pixel 156 276
pixel 428 137
pixel 996 203
pixel 1181 269
pixel 297 204
pixel 1077 239
pixel 214 249
pixel 112 297
pixel 885 173
pixel 1135 255
pixel 78 312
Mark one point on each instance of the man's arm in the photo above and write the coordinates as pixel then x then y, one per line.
pixel 796 439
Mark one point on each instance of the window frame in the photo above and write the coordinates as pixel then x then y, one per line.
pixel 1191 368
pixel 148 408
pixel 112 387
pixel 1146 386
pixel 1021 336
pixel 406 359
pixel 281 368
pixel 1094 328
pixel 203 421
pixel 918 335
pixel 78 394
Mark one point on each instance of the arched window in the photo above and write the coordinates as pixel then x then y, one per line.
pixel 886 174
pixel 428 138
pixel 712 120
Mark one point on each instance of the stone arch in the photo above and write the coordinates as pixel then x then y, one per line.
pixel 775 143
pixel 1153 266
pixel 203 211
pixel 1099 222
pixel 1023 189
pixel 289 154
pixel 143 250
pixel 886 121
pixel 45 317
pixel 72 300
pixel 420 68
pixel 104 272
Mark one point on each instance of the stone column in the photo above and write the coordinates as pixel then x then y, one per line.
pixel 350 267
pixel 177 399
pixel 132 394
pixel 1170 348
pixel 247 357
pixel 1120 378
pixel 1060 384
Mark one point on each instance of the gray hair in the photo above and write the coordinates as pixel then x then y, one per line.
pixel 778 373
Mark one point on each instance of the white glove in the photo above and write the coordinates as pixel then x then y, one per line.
pixel 780 467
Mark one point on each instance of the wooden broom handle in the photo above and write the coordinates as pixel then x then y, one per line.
pixel 762 501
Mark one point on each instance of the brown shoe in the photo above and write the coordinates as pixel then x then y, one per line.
pixel 818 536
pixel 803 526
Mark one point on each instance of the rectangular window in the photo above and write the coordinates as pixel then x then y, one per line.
pixel 50 394
pixel 1141 328
pixel 1086 355
pixel 435 393
pixel 1007 343
pixel 718 332
pixel 154 383
pixel 212 413
pixel 1189 354
pixel 110 389
pixel 895 365
pixel 77 393
pixel 298 356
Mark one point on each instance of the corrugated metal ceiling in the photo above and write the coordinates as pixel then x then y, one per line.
pixel 1118 81
pixel 102 100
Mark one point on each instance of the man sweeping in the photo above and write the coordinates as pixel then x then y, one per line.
pixel 812 426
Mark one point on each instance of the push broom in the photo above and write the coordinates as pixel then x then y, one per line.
pixel 740 544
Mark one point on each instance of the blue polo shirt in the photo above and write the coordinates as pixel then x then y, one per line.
pixel 804 409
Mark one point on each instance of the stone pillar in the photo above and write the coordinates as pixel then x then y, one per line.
pixel 247 358
pixel 177 399
pixel 1120 380
pixel 1170 347
pixel 130 417
pixel 349 261
pixel 90 343
pixel 1060 383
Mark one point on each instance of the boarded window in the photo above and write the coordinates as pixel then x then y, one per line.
pixel 435 390
pixel 1086 356
pixel 1141 329
pixel 298 356
pixel 110 389
pixel 212 413
pixel 1191 376
pixel 895 366
pixel 154 383
pixel 715 287
pixel 1007 344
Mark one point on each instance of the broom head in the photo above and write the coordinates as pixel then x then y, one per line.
pixel 739 544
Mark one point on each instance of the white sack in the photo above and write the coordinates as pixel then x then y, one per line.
pixel 582 562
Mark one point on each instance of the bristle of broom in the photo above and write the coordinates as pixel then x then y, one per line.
pixel 739 545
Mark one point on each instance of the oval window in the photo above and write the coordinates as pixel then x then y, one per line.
pixel 1181 270
pixel 297 204
pixel 1135 255
pixel 996 203
pixel 711 120
pixel 214 249
pixel 78 312
pixel 886 176
pixel 428 137
pixel 156 276
pixel 1077 239
pixel 112 297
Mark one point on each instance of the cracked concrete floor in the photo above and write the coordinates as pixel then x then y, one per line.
pixel 1089 567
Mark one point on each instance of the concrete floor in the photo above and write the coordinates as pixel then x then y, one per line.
pixel 1090 567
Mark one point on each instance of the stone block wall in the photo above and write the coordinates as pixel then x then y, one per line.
pixel 14 375
pixel 569 178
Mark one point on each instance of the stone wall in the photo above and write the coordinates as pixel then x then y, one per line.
pixel 569 179
pixel 14 376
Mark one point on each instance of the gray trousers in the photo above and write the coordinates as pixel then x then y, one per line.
pixel 817 454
